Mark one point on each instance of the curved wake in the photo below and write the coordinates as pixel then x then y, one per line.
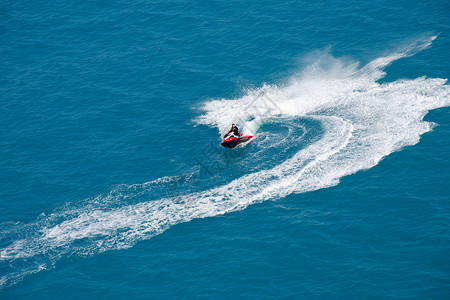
pixel 361 120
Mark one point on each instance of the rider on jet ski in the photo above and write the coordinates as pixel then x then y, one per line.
pixel 234 130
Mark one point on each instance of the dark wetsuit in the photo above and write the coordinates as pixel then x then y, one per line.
pixel 235 131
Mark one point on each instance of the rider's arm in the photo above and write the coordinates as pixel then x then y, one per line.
pixel 227 133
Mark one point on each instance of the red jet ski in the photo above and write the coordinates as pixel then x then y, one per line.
pixel 233 141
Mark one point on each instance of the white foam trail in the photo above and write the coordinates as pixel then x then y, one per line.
pixel 362 122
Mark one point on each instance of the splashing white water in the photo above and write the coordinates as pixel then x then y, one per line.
pixel 362 122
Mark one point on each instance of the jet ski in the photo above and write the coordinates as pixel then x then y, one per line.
pixel 233 140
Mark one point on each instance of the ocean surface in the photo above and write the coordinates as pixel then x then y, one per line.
pixel 113 183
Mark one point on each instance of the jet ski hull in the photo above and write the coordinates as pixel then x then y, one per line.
pixel 233 141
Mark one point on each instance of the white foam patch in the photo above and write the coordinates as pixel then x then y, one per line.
pixel 362 122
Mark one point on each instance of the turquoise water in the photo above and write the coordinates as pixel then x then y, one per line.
pixel 113 182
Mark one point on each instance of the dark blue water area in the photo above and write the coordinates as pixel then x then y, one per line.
pixel 96 95
pixel 379 233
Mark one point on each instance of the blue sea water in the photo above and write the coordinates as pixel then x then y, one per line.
pixel 113 183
